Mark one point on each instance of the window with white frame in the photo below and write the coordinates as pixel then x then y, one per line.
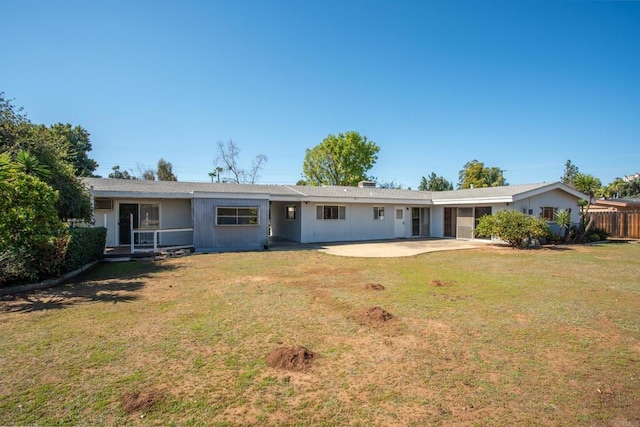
pixel 548 213
pixel 290 213
pixel 378 213
pixel 331 212
pixel 228 215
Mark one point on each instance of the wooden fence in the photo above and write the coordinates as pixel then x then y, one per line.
pixel 625 224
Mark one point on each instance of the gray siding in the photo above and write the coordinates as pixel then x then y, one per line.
pixel 176 213
pixel 209 237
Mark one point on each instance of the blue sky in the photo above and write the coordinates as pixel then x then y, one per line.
pixel 522 85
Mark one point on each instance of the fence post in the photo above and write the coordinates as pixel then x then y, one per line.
pixel 155 242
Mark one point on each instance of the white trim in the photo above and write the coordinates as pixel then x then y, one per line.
pixel 340 207
pixel 235 196
pixel 473 201
pixel 237 208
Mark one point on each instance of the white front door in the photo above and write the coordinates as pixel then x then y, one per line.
pixel 399 215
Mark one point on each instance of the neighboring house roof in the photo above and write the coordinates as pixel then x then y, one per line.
pixel 616 204
pixel 126 188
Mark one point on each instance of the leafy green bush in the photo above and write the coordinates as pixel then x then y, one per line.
pixel 601 233
pixel 86 245
pixel 593 237
pixel 515 228
pixel 32 238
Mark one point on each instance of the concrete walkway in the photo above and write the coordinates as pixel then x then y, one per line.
pixel 398 248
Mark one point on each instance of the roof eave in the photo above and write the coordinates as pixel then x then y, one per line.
pixel 367 200
pixel 473 201
pixel 551 186
pixel 140 195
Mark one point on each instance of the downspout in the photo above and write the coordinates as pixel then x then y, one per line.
pixel 193 219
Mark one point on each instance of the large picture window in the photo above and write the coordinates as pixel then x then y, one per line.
pixel 237 215
pixel 331 212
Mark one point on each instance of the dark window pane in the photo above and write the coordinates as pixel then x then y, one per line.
pixel 227 220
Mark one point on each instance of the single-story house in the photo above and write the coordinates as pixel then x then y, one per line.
pixel 216 217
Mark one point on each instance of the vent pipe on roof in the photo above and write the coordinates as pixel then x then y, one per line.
pixel 368 184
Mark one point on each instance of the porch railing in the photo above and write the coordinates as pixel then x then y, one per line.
pixel 156 232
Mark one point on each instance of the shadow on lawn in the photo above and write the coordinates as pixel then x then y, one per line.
pixel 106 283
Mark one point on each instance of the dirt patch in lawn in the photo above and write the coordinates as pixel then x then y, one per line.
pixel 140 401
pixel 442 283
pixel 296 358
pixel 374 316
pixel 374 287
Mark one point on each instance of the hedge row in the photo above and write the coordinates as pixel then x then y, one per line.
pixel 85 245
pixel 52 256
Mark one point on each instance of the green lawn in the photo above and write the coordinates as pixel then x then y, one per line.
pixel 479 337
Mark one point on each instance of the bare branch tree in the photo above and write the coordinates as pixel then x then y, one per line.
pixel 256 165
pixel 228 155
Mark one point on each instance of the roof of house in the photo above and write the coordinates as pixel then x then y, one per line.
pixel 174 189
pixel 507 193
pixel 619 203
pixel 126 188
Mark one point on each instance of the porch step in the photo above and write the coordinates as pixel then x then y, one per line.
pixel 122 254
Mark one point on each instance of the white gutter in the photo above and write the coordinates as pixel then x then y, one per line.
pixel 474 201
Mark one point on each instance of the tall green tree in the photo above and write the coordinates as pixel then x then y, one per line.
pixel 623 189
pixel 50 148
pixel 78 146
pixel 571 171
pixel 587 184
pixel 474 174
pixel 165 171
pixel 14 125
pixel 435 183
pixel 340 160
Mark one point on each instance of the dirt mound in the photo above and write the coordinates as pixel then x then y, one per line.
pixel 139 401
pixel 295 358
pixel 441 283
pixel 374 286
pixel 374 316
